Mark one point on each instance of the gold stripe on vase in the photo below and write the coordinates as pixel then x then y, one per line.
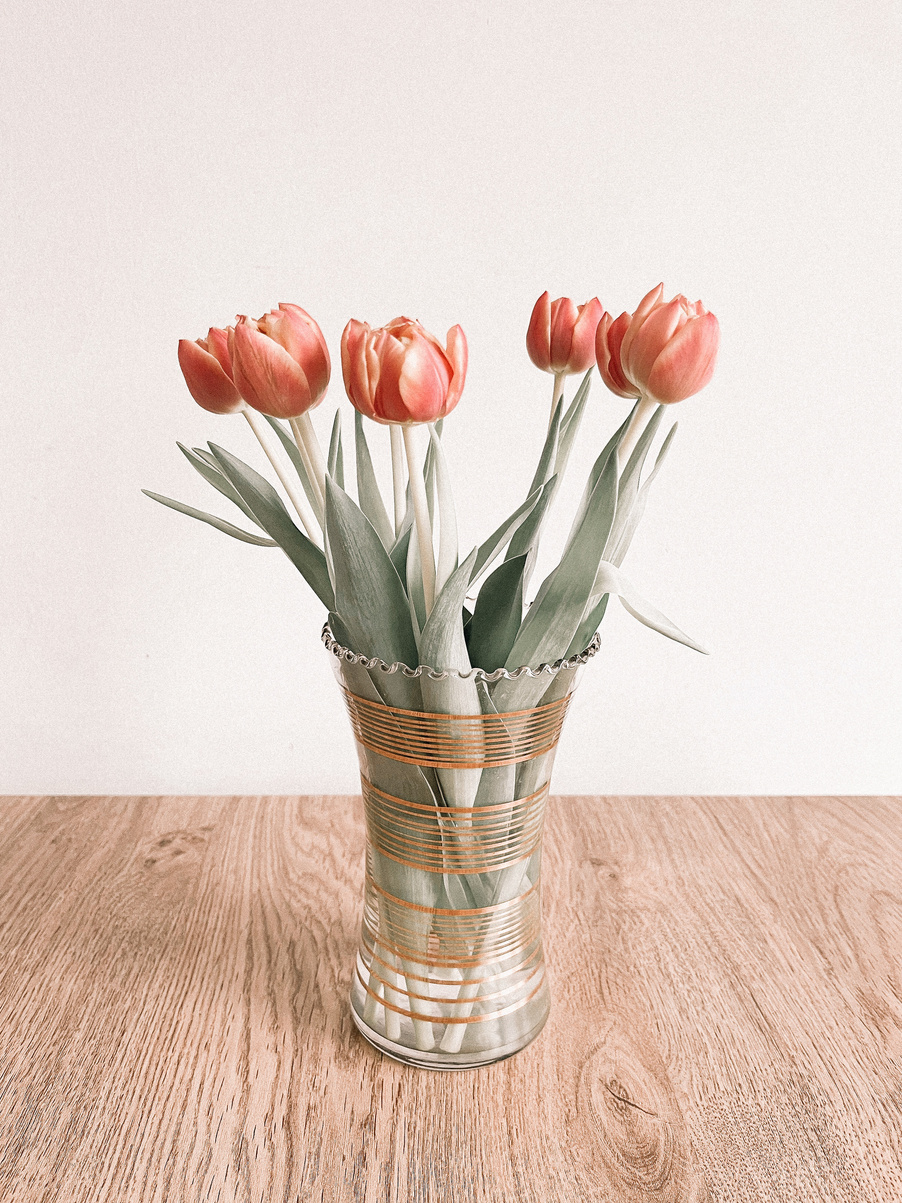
pixel 386 991
pixel 454 839
pixel 456 741
pixel 451 966
pixel 450 939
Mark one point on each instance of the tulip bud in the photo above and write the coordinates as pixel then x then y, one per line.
pixel 561 336
pixel 208 372
pixel 669 348
pixel 608 339
pixel 400 373
pixel 280 362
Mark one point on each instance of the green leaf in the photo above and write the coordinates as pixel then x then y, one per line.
pixel 467 619
pixel 444 647
pixel 413 583
pixel 549 449
pixel 570 424
pixel 226 527
pixel 291 447
pixel 442 644
pixel 268 510
pixel 629 478
pixel 638 509
pixel 368 492
pixel 494 544
pixel 597 468
pixel 497 616
pixel 198 459
pixel 527 537
pixel 336 455
pixel 555 615
pixel 369 595
pixel 398 553
pixel 613 581
pixel 429 478
pixel 526 540
pixel 588 626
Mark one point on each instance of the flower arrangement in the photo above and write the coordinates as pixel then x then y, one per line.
pixel 456 705
pixel 380 576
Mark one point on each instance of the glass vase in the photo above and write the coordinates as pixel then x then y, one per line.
pixel 455 772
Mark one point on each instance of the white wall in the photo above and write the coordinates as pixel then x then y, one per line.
pixel 169 165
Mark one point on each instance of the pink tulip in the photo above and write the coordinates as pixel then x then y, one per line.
pixel 608 339
pixel 561 336
pixel 670 347
pixel 280 362
pixel 400 373
pixel 208 372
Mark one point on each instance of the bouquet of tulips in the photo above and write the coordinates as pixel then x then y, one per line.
pixel 397 589
pixel 395 584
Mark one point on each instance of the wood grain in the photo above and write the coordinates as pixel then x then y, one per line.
pixel 727 1019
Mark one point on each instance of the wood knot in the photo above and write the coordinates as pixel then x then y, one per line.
pixel 629 1112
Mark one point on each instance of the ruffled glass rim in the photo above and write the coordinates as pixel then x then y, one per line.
pixel 474 674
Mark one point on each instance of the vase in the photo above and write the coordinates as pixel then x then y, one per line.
pixel 455 771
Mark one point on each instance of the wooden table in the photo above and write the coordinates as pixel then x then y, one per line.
pixel 727 1022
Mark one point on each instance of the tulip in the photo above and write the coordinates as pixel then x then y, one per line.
pixel 280 362
pixel 669 348
pixel 667 352
pixel 608 339
pixel 561 336
pixel 400 374
pixel 207 370
pixel 209 373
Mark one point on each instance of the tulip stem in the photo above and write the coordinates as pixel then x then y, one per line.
pixel 421 515
pixel 311 454
pixel 298 500
pixel 447 539
pixel 559 378
pixel 644 410
pixel 397 475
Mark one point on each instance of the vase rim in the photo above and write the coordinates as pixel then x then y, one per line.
pixel 473 674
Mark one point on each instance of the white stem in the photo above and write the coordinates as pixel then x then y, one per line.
pixel 315 451
pixel 559 378
pixel 397 475
pixel 421 516
pixel 318 490
pixel 298 500
pixel 644 410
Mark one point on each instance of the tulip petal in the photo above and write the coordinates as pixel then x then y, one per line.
pixel 608 339
pixel 538 333
pixel 457 355
pixel 686 364
pixel 207 383
pixel 651 338
pixel 217 343
pixel 563 319
pixel 424 380
pixel 582 347
pixel 358 384
pixel 386 354
pixel 646 305
pixel 266 375
pixel 295 330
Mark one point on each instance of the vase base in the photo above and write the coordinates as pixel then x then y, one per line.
pixel 421 1059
